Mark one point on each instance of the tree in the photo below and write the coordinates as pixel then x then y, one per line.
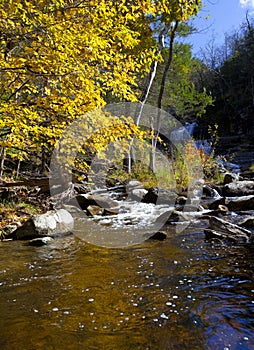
pixel 231 82
pixel 62 58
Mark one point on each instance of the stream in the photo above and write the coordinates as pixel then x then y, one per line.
pixel 181 293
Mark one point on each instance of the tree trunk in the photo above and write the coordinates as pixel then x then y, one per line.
pixel 161 92
pixel 145 94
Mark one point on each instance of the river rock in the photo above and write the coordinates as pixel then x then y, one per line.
pixel 158 195
pixel 247 222
pixel 41 241
pixel 212 234
pixel 172 217
pixel 240 203
pixel 220 228
pixel 239 188
pixel 159 236
pixel 93 210
pixel 215 204
pixel 53 223
pixel 230 177
pixel 84 200
pixel 137 194
pixel 209 191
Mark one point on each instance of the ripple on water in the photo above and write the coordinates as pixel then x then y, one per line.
pixel 182 293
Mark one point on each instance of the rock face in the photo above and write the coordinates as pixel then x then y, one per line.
pixel 53 223
pixel 239 188
pixel 222 229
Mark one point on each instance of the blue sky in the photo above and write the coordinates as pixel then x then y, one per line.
pixel 224 17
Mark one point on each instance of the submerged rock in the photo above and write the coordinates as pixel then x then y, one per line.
pixel 53 223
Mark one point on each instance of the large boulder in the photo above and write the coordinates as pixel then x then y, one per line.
pixel 52 224
pixel 137 194
pixel 240 203
pixel 85 200
pixel 239 188
pixel 247 222
pixel 230 177
pixel 157 195
pixel 222 229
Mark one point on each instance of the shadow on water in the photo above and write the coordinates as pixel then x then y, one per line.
pixel 183 293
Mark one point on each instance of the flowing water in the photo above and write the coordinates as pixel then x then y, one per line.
pixel 182 293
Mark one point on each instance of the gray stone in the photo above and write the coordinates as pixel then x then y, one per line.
pixel 157 195
pixel 41 241
pixel 247 222
pixel 137 194
pixel 212 234
pixel 53 223
pixel 230 177
pixel 172 217
pixel 227 230
pixel 239 188
pixel 93 210
pixel 84 200
pixel 240 203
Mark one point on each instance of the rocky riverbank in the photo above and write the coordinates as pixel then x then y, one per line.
pixel 225 212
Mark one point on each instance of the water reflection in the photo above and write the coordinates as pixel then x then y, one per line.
pixel 182 293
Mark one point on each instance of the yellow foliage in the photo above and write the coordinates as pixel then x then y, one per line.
pixel 60 58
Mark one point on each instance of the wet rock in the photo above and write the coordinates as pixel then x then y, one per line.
pixel 211 192
pixel 240 203
pixel 215 204
pixel 9 229
pixel 53 223
pixel 110 212
pixel 137 194
pixel 93 210
pixel 219 228
pixel 247 222
pixel 221 211
pixel 84 200
pixel 41 241
pixel 159 236
pixel 189 208
pixel 239 188
pixel 211 234
pixel 172 217
pixel 230 177
pixel 157 195
pixel 181 200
